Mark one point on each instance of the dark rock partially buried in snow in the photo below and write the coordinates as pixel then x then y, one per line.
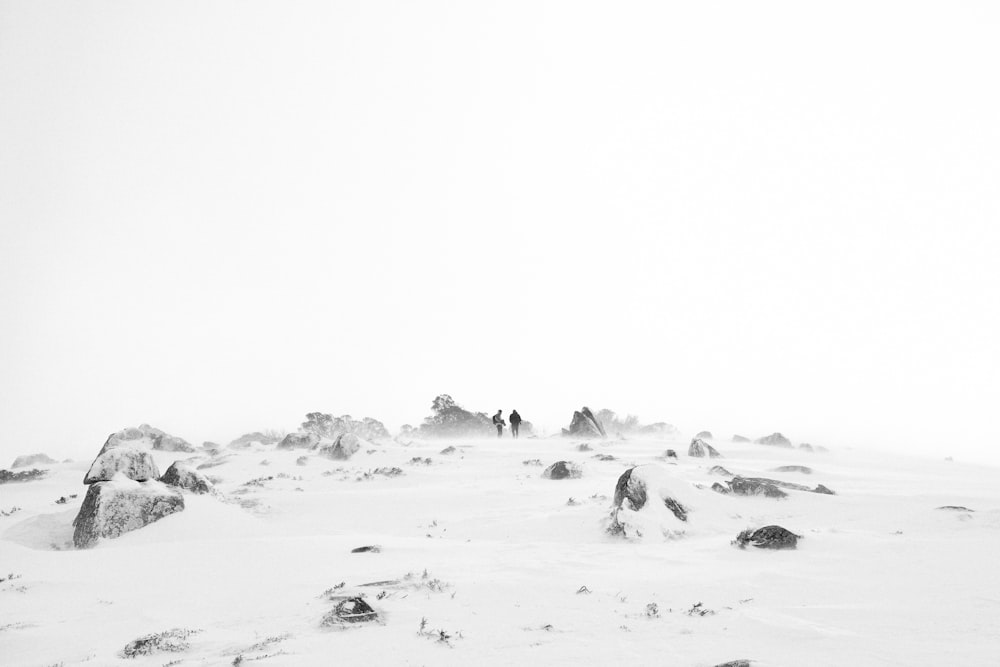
pixel 740 438
pixel 183 476
pixel 344 447
pixel 32 460
pixel 805 470
pixel 351 610
pixel 699 448
pixel 129 457
pixel 171 641
pixel 122 505
pixel 742 486
pixel 735 663
pixel 719 470
pixel 670 454
pixel 562 470
pixel 775 440
pixel 704 435
pixel 768 537
pixel 955 508
pixel 644 501
pixel 299 441
pixel 585 425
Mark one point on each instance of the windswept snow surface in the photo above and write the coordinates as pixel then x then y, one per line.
pixel 502 569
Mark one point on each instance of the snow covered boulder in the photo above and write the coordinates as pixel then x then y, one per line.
pixel 585 425
pixel 32 460
pixel 775 439
pixel 299 441
pixel 699 448
pixel 127 436
pixel 165 442
pixel 704 435
pixel 131 459
pixel 344 447
pixel 648 501
pixel 768 537
pixel 562 470
pixel 183 476
pixel 122 505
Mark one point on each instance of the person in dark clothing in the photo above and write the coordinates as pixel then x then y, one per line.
pixel 499 423
pixel 515 423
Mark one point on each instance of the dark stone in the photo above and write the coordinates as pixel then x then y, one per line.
pixel 743 486
pixel 351 610
pixel 775 439
pixel 719 488
pixel 740 438
pixel 704 435
pixel 670 454
pixel 374 549
pixel 802 469
pixel 633 491
pixel 114 508
pixel 699 448
pixel 562 470
pixel 822 489
pixel 585 425
pixel 955 508
pixel 768 537
pixel 735 663
pixel 719 470
pixel 182 476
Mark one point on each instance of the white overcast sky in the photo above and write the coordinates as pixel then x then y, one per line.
pixel 742 217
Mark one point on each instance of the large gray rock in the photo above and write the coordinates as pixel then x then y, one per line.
pixel 299 441
pixel 165 442
pixel 32 460
pixel 129 436
pixel 699 448
pixel 585 425
pixel 344 447
pixel 122 505
pixel 183 476
pixel 131 458
pixel 775 439
pixel 562 470
pixel 768 537
pixel 742 486
pixel 646 501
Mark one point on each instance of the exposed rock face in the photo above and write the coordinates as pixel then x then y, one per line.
pixel 562 470
pixel 670 454
pixel 768 537
pixel 647 501
pixel 775 439
pixel 164 441
pixel 343 447
pixel 740 438
pixel 32 460
pixel 719 470
pixel 247 439
pixel 351 610
pixel 700 448
pixel 585 425
pixel 735 663
pixel 822 489
pixel 114 508
pixel 183 476
pixel 704 435
pixel 742 486
pixel 805 470
pixel 128 457
pixel 299 441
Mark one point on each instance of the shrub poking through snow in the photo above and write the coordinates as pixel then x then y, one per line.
pixel 647 502
pixel 171 641
pixel 351 610
pixel 768 537
pixel 6 476
pixel 562 470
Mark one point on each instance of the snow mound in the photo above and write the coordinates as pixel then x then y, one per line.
pixel 648 501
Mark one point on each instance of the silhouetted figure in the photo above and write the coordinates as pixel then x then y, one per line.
pixel 499 423
pixel 515 423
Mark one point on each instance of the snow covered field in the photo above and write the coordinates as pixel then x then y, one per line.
pixel 483 561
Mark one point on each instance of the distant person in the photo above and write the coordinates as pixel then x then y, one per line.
pixel 499 423
pixel 515 423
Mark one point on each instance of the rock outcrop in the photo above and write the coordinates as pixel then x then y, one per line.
pixel 32 460
pixel 562 470
pixel 768 537
pixel 699 448
pixel 775 440
pixel 183 476
pixel 165 442
pixel 299 441
pixel 585 425
pixel 122 505
pixel 742 486
pixel 647 501
pixel 704 435
pixel 344 447
pixel 126 455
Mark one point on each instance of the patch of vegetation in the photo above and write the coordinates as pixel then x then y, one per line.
pixel 258 481
pixel 8 476
pixel 328 426
pixel 440 636
pixel 11 511
pixel 385 472
pixel 416 460
pixel 169 641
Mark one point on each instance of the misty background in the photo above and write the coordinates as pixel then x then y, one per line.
pixel 218 216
